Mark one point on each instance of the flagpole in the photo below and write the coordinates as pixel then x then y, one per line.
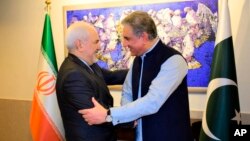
pixel 48 7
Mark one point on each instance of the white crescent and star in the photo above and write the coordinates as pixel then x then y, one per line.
pixel 214 84
pixel 237 117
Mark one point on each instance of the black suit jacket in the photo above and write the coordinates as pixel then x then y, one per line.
pixel 76 85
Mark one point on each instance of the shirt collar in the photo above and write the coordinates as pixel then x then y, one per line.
pixel 86 64
pixel 144 54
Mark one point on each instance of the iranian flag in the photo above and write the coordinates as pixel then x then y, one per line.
pixel 222 110
pixel 45 121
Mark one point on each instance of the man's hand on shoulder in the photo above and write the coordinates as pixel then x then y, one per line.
pixel 95 115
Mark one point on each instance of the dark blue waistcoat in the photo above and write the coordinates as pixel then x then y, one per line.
pixel 172 121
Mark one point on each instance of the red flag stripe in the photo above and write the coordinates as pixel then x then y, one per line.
pixel 42 127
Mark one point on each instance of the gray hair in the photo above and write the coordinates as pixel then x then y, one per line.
pixel 76 31
pixel 141 22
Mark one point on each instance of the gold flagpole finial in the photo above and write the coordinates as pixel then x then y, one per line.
pixel 48 8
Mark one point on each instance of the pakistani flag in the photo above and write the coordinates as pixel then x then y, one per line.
pixel 45 121
pixel 223 108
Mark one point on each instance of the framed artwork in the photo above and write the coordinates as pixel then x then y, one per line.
pixel 189 26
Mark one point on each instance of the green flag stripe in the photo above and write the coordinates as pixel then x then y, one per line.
pixel 223 64
pixel 48 45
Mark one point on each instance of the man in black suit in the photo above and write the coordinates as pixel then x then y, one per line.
pixel 80 78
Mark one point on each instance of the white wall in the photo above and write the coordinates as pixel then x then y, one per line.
pixel 21 25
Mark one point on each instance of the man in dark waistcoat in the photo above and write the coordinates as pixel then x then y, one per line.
pixel 155 91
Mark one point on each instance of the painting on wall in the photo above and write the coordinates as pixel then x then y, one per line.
pixel 188 26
